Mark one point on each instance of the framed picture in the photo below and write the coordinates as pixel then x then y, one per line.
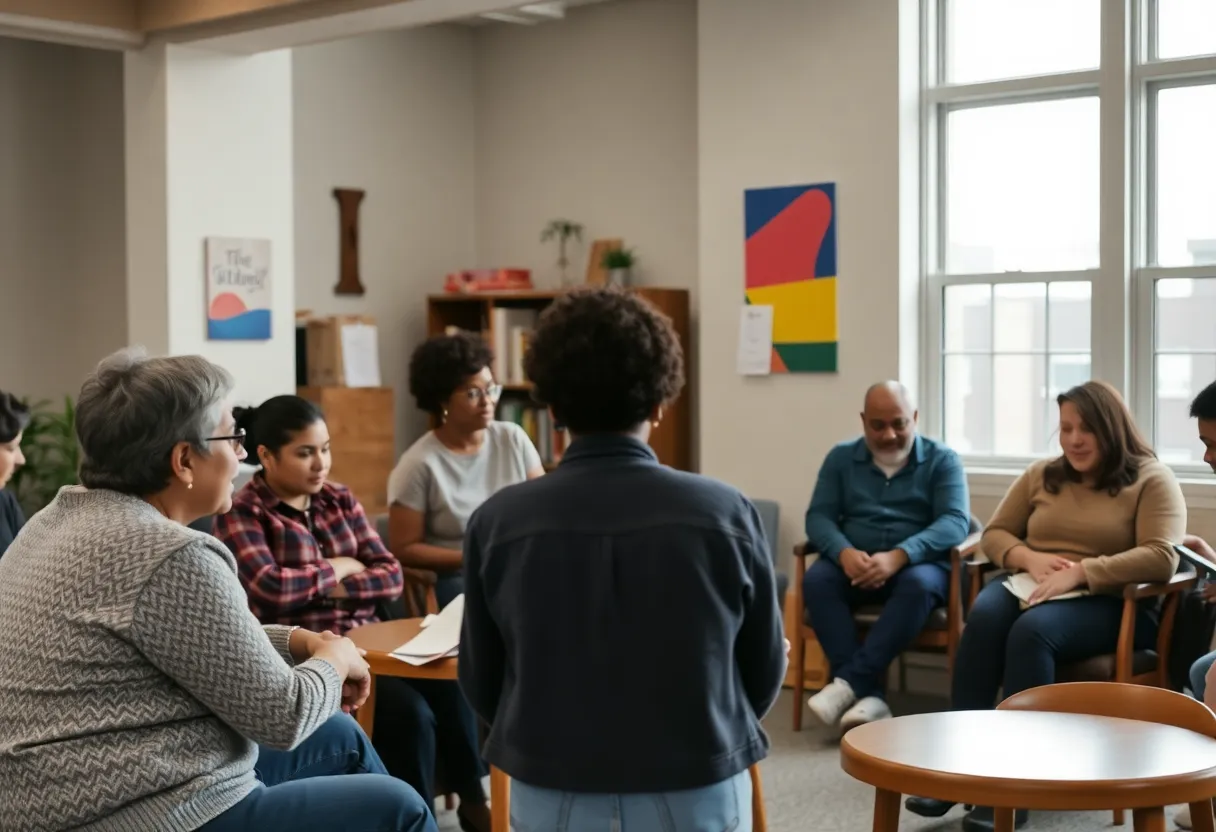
pixel 238 289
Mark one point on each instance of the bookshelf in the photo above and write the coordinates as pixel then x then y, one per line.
pixel 489 313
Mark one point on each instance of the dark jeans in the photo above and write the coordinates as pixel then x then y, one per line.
pixel 1007 648
pixel 447 586
pixel 907 599
pixel 333 780
pixel 424 725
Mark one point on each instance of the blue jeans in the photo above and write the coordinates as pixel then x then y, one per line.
pixel 722 807
pixel 1199 674
pixel 907 599
pixel 1005 648
pixel 333 780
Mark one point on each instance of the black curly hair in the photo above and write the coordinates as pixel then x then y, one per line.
pixel 14 417
pixel 603 360
pixel 441 364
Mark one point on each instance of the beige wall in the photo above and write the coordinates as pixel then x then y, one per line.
pixel 392 114
pixel 62 228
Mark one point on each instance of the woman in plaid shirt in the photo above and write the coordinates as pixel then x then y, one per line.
pixel 308 556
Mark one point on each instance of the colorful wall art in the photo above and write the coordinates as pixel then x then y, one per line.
pixel 238 289
pixel 791 266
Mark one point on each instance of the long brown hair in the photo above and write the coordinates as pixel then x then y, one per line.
pixel 1122 446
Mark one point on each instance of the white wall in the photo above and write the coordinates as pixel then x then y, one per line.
pixel 795 93
pixel 593 119
pixel 392 114
pixel 62 281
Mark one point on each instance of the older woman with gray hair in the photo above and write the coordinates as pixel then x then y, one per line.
pixel 137 692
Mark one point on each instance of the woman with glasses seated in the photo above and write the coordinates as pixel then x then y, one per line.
pixel 451 470
pixel 308 556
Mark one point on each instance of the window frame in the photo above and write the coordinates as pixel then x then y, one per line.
pixel 1122 286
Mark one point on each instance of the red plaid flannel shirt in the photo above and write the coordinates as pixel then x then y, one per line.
pixel 281 555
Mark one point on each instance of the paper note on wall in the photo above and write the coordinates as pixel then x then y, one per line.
pixel 360 355
pixel 755 355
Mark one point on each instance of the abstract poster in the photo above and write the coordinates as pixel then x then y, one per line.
pixel 790 264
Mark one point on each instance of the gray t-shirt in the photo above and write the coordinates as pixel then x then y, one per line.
pixel 447 487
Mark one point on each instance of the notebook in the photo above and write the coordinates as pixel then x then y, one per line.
pixel 1023 586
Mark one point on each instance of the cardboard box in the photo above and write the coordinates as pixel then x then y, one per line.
pixel 343 351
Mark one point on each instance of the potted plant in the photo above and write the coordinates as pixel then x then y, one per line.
pixel 562 231
pixel 618 262
pixel 52 455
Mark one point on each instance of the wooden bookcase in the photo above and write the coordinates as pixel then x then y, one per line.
pixel 672 440
pixel 361 428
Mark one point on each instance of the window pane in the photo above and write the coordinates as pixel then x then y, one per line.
pixel 1185 311
pixel 1020 405
pixel 968 318
pixel 1185 179
pixel 1068 316
pixel 1185 27
pixel 1178 379
pixel 1021 317
pixel 1022 187
pixel 968 403
pixel 991 39
pixel 1064 373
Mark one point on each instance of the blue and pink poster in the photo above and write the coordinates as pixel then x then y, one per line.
pixel 238 289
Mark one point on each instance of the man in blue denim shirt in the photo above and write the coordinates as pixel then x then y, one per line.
pixel 886 511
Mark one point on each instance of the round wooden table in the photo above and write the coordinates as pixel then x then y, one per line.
pixel 379 640
pixel 1032 760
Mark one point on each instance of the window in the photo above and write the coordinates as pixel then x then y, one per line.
pixel 1049 223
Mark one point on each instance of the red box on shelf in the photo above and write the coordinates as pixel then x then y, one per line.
pixel 488 280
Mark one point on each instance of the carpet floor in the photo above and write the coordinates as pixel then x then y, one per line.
pixel 806 791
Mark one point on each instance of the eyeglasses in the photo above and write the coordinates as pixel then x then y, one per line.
pixel 237 439
pixel 476 394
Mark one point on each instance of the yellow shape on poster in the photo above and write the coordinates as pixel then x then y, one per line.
pixel 803 310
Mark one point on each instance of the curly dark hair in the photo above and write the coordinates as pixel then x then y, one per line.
pixel 441 364
pixel 14 417
pixel 603 360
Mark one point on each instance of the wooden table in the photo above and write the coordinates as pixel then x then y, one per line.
pixel 381 639
pixel 1032 760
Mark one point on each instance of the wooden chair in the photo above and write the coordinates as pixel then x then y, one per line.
pixel 1126 664
pixel 418 596
pixel 940 634
pixel 500 802
pixel 1126 701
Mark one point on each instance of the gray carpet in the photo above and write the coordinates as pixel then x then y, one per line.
pixel 805 790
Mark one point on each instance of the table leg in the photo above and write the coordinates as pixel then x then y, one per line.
pixel 1002 819
pixel 500 800
pixel 366 715
pixel 886 810
pixel 1201 817
pixel 1149 820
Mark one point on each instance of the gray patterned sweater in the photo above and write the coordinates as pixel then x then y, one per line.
pixel 134 682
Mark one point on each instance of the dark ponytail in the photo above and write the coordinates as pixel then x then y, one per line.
pixel 273 423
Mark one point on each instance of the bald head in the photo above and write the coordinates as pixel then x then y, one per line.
pixel 889 422
pixel 887 393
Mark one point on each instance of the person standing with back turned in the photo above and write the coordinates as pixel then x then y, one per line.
pixel 622 635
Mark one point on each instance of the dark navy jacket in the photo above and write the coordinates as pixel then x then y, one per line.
pixel 621 629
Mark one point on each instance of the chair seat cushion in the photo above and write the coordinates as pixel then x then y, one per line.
pixel 1102 668
pixel 865 616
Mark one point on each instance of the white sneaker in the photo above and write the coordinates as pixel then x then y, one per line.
pixel 1183 818
pixel 830 703
pixel 870 709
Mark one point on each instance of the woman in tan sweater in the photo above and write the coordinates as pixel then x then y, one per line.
pixel 1102 515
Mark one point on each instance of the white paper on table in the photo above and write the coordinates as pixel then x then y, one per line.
pixel 755 353
pixel 418 661
pixel 360 355
pixel 439 639
pixel 428 620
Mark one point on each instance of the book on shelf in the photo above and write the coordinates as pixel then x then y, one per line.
pixel 537 422
pixel 510 328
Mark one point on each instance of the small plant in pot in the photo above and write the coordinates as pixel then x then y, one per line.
pixel 619 262
pixel 562 231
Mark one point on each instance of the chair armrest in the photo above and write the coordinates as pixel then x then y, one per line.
pixel 967 551
pixel 424 577
pixel 1178 583
pixel 803 549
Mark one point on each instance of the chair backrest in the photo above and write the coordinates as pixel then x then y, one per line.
pixel 381 524
pixel 976 525
pixel 1115 699
pixel 770 516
